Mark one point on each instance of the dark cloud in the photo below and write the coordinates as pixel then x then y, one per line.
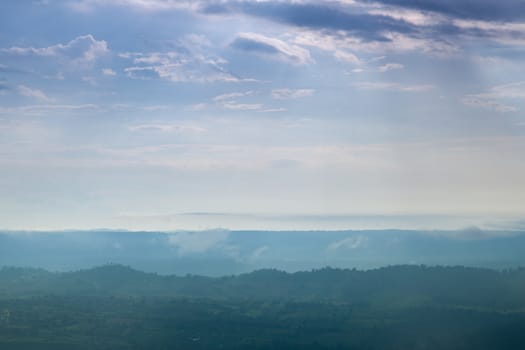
pixel 487 10
pixel 339 19
pixel 316 16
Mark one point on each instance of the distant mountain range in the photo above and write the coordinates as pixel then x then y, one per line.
pixel 223 252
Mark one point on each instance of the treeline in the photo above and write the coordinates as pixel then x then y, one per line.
pixel 391 286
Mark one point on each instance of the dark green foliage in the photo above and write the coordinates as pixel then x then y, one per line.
pixel 402 307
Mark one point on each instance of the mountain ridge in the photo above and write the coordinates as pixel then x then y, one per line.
pixel 389 285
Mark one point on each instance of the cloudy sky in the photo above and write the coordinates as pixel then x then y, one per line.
pixel 284 114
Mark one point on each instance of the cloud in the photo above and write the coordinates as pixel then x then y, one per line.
pixel 392 87
pixel 353 242
pixel 390 66
pixel 141 5
pixel 481 102
pixel 108 72
pixel 286 94
pixel 257 253
pixel 497 11
pixel 32 93
pixel 242 106
pixel 44 109
pixel 413 16
pixel 367 22
pixel 229 101
pixel 178 128
pixel 337 42
pixel 179 66
pixel 346 57
pixel 489 99
pixel 82 51
pixel 331 16
pixel 381 69
pixel 331 42
pixel 272 48
pixel 273 110
pixel 198 242
pixel 231 96
pixel 401 25
pixel 512 90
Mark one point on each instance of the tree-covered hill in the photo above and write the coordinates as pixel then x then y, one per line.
pixel 395 285
pixel 392 308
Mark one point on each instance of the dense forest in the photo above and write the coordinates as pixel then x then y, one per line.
pixel 398 307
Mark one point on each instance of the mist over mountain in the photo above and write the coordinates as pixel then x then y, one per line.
pixel 223 252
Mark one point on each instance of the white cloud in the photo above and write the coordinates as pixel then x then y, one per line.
pixel 512 90
pixel 396 42
pixel 353 242
pixel 326 42
pixel 141 5
pixel 32 93
pixel 273 110
pixel 390 66
pixel 82 51
pixel 231 96
pixel 346 57
pixel 489 99
pixel 273 48
pixel 178 128
pixel 392 87
pixel 108 72
pixel 228 101
pixel 415 17
pixel 490 25
pixel 377 59
pixel 242 106
pixel 510 33
pixel 284 94
pixel 179 67
pixel 480 102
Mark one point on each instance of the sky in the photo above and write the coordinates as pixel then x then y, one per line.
pixel 270 114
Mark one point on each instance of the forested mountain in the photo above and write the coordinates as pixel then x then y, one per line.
pixel 398 307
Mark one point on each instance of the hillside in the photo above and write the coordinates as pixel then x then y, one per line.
pixel 390 285
pixel 398 307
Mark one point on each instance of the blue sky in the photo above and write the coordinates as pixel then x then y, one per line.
pixel 275 114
